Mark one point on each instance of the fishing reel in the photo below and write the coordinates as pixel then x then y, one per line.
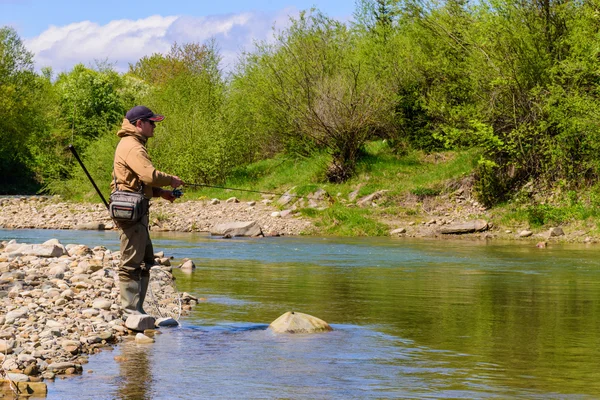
pixel 177 193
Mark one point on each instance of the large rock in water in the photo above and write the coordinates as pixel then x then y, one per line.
pixel 233 229
pixel 295 322
pixel 477 225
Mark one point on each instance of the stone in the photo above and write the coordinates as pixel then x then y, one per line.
pixel 556 231
pixel 296 322
pixel 368 200
pixel 140 322
pixel 17 377
pixel 188 265
pixel 6 346
pixel 102 304
pixel 478 225
pixel 163 322
pixel 4 267
pixel 63 367
pixel 248 229
pixel 36 389
pixel 71 346
pixel 43 250
pixel 398 231
pixel 91 226
pixel 276 214
pixel 215 202
pixel 525 233
pixel 143 339
pixel 90 312
pixel 285 213
pixel 12 316
pixel 232 200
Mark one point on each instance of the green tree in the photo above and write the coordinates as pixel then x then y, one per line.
pixel 186 85
pixel 21 119
pixel 312 81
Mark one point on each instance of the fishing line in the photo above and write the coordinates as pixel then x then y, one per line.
pixel 244 190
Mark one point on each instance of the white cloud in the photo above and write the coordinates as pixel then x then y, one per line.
pixel 125 41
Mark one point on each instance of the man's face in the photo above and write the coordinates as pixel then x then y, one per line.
pixel 146 127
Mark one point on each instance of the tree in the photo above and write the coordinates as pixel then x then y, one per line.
pixel 19 87
pixel 318 90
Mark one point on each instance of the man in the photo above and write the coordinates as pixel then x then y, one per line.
pixel 133 171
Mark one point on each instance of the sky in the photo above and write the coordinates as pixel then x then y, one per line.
pixel 62 33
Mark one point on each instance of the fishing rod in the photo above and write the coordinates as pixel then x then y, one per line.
pixel 176 192
pixel 72 148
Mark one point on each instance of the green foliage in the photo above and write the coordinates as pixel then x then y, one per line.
pixel 98 160
pixel 517 82
pixel 544 214
pixel 341 221
pixel 19 87
pixel 90 102
pixel 194 141
pixel 318 90
pixel 425 191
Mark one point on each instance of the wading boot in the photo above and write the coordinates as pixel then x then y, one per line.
pixel 144 282
pixel 130 296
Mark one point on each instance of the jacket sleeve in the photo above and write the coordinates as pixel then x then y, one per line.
pixel 139 161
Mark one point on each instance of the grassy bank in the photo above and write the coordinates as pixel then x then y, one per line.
pixel 408 180
pixel 418 188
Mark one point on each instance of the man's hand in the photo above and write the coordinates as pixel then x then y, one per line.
pixel 175 182
pixel 167 195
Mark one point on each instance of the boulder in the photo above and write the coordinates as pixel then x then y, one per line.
pixel 525 233
pixel 140 322
pixel 398 231
pixel 250 229
pixel 162 322
pixel 295 322
pixel 478 225
pixel 42 250
pixel 557 231
pixel 188 265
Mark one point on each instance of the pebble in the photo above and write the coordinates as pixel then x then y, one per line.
pixel 182 216
pixel 59 310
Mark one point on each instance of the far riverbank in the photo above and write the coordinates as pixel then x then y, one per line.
pixel 51 212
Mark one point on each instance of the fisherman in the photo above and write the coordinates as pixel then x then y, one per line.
pixel 132 172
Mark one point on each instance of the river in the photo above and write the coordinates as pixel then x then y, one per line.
pixel 414 319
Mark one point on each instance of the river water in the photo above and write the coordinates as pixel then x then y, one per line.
pixel 415 319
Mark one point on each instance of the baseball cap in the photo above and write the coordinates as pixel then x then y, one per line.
pixel 143 112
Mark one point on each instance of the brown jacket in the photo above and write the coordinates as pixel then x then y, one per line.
pixel 132 164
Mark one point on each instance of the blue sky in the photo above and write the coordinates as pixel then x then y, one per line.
pixel 62 33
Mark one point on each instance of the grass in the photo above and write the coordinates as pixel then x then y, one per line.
pixel 422 176
pixel 378 169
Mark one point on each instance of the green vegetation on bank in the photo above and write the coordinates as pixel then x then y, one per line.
pixel 408 97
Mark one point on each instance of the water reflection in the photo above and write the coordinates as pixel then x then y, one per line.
pixel 135 372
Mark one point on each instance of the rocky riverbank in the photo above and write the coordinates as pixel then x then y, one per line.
pixel 59 304
pixel 43 212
